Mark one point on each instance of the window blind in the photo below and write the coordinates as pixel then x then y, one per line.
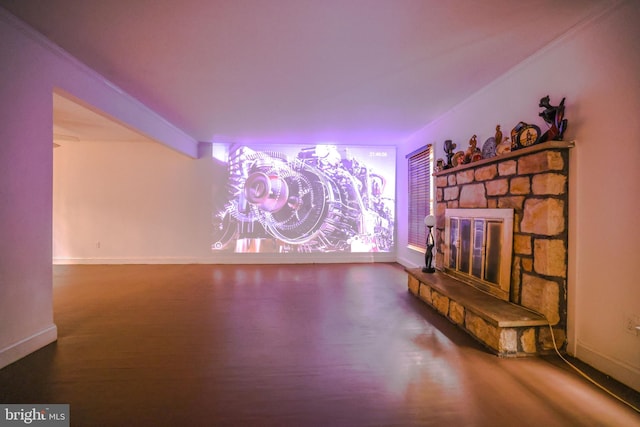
pixel 419 203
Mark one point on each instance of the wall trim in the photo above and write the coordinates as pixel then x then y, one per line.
pixel 408 263
pixel 619 370
pixel 28 345
pixel 240 259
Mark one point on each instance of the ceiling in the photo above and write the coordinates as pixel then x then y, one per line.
pixel 368 71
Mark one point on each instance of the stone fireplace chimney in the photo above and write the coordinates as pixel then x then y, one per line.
pixel 533 184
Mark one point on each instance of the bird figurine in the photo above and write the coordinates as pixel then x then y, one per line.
pixel 498 135
pixel 473 152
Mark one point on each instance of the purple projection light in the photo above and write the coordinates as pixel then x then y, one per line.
pixel 310 199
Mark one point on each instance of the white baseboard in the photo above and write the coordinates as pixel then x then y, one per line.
pixel 28 345
pixel 95 261
pixel 627 375
pixel 408 263
pixel 224 258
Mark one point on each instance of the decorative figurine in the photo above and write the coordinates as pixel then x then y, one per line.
pixel 504 146
pixel 449 146
pixel 498 137
pixel 473 141
pixel 471 155
pixel 554 116
pixel 439 165
pixel 429 222
pixel 458 159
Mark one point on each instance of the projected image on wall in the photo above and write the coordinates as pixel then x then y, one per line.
pixel 311 199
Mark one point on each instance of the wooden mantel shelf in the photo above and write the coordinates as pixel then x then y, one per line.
pixel 517 153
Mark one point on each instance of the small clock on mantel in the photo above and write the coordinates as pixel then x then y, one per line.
pixel 525 135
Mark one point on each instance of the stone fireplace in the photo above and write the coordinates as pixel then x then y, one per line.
pixel 512 313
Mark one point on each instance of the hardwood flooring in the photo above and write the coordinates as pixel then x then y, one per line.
pixel 283 345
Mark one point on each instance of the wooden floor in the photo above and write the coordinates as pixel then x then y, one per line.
pixel 291 345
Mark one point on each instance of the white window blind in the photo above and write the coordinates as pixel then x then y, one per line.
pixel 419 169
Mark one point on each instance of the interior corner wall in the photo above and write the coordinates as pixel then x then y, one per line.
pixel 26 314
pixel 596 67
pixel 30 70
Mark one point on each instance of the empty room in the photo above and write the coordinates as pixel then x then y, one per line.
pixel 332 213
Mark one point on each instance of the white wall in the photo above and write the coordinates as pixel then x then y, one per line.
pixel 130 202
pixel 26 317
pixel 30 69
pixel 596 67
pixel 140 202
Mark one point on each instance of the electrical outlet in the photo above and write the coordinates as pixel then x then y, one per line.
pixel 632 324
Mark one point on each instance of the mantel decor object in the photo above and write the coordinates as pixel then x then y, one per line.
pixel 554 117
pixel 430 222
pixel 473 153
pixel 449 148
pixel 525 135
pixel 489 148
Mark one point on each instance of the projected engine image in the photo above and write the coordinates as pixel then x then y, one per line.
pixel 318 199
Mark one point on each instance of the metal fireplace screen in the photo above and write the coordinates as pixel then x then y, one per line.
pixel 478 248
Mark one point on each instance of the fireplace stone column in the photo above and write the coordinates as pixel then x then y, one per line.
pixel 534 182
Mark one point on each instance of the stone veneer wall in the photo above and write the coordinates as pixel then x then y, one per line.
pixel 534 182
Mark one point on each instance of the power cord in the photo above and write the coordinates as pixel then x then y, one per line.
pixel 635 408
